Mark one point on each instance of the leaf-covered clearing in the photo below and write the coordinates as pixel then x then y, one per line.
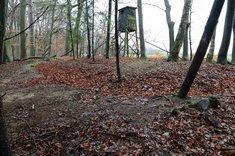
pixel 77 107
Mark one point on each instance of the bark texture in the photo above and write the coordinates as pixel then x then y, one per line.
pixel 31 30
pixel 223 51
pixel 201 50
pixel 170 24
pixel 174 53
pixel 117 42
pixel 210 54
pixel 108 30
pixel 233 52
pixel 23 53
pixel 2 29
pixel 141 29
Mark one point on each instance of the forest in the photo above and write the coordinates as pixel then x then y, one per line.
pixel 81 77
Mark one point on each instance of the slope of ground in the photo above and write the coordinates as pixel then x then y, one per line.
pixel 67 107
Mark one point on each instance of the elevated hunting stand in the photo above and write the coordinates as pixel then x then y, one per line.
pixel 127 24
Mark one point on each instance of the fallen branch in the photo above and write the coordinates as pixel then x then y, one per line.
pixel 36 57
pixel 66 53
pixel 3 95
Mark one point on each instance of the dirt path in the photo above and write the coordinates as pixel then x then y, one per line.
pixel 59 105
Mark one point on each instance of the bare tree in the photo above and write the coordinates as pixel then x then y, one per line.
pixel 141 29
pixel 233 52
pixel 93 30
pixel 52 27
pixel 31 30
pixel 77 35
pixel 185 46
pixel 69 48
pixel 174 52
pixel 2 28
pixel 170 24
pixel 201 50
pixel 108 30
pixel 210 54
pixel 69 17
pixel 117 42
pixel 88 30
pixel 223 51
pixel 22 27
pixel 186 37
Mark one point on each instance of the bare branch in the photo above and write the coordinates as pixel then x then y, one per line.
pixel 155 6
pixel 28 26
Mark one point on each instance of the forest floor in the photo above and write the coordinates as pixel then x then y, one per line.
pixel 66 107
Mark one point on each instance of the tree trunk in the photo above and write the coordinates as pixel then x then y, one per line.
pixel 185 47
pixel 201 50
pixel 69 9
pixel 31 29
pixel 67 38
pixel 4 144
pixel 52 27
pixel 170 24
pixel 18 53
pixel 233 52
pixel 88 30
pixel 5 45
pixel 22 27
pixel 116 41
pixel 77 37
pixel 141 29
pixel 190 35
pixel 223 51
pixel 174 53
pixel 93 30
pixel 108 30
pixel 2 28
pixel 210 54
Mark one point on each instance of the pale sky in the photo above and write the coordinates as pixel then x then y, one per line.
pixel 155 26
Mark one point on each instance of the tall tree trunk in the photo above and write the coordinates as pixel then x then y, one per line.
pixel 107 46
pixel 190 35
pixel 77 37
pixel 141 29
pixel 31 29
pixel 18 51
pixel 69 9
pixel 52 27
pixel 93 30
pixel 2 28
pixel 174 53
pixel 88 30
pixel 67 38
pixel 5 46
pixel 233 52
pixel 22 27
pixel 116 41
pixel 210 54
pixel 201 50
pixel 223 51
pixel 185 47
pixel 170 24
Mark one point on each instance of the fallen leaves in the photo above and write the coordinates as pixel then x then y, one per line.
pixel 164 78
pixel 107 132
